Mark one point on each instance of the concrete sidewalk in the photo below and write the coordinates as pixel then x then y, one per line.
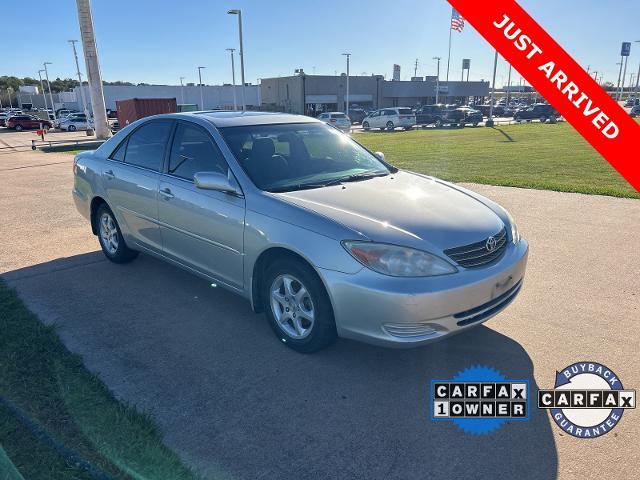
pixel 234 403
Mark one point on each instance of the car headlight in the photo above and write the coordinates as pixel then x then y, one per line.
pixel 398 261
pixel 515 233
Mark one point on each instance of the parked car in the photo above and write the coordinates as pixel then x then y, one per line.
pixel 26 122
pixel 469 116
pixel 3 119
pixel 540 111
pixel 75 121
pixel 390 119
pixel 439 115
pixel 306 224
pixel 635 110
pixel 336 119
pixel 356 115
pixel 631 102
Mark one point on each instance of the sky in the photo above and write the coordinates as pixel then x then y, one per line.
pixel 158 41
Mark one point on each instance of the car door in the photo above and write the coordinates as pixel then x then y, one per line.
pixel 202 229
pixel 374 120
pixel 131 179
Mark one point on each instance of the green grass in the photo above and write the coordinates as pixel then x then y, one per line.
pixel 550 157
pixel 51 387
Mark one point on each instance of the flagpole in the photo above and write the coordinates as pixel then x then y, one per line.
pixel 449 56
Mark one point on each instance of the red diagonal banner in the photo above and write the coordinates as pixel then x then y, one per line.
pixel 558 78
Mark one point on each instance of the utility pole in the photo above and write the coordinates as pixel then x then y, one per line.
pixel 489 122
pixel 92 64
pixel 437 59
pixel 200 83
pixel 244 98
pixel 347 97
pixel 46 74
pixel 233 77
pixel 84 101
pixel 182 89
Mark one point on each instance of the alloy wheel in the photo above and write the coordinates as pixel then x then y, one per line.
pixel 292 306
pixel 109 233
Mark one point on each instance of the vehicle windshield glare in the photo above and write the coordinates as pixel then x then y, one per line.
pixel 294 156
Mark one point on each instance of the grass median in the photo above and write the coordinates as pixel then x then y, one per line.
pixel 549 157
pixel 53 412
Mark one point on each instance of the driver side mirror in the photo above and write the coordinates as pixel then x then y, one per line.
pixel 216 181
pixel 379 155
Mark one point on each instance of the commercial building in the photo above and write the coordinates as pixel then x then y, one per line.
pixel 312 94
pixel 214 96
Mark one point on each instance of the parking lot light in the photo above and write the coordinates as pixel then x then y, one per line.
pixel 82 97
pixel 182 89
pixel 347 96
pixel 44 94
pixel 200 82
pixel 46 74
pixel 437 59
pixel 233 77
pixel 238 12
pixel 489 122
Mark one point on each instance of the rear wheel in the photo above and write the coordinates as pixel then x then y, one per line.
pixel 297 306
pixel 543 119
pixel 365 126
pixel 71 128
pixel 19 128
pixel 438 123
pixel 110 236
pixel 390 126
pixel 475 124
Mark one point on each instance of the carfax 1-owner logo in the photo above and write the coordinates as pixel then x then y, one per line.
pixel 588 399
pixel 479 400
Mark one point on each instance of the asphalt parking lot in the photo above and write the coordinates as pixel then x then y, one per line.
pixel 234 403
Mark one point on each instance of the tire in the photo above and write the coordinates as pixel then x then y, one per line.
pixel 517 118
pixel 71 128
pixel 390 126
pixel 475 124
pixel 553 120
pixel 407 128
pixel 365 126
pixel 280 306
pixel 19 128
pixel 543 119
pixel 438 123
pixel 110 237
pixel 462 125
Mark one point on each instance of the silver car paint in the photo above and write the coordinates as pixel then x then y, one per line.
pixel 221 237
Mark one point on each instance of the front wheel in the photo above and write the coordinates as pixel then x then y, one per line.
pixel 110 236
pixel 19 128
pixel 390 126
pixel 297 306
pixel 72 128
pixel 543 119
pixel 438 123
pixel 365 126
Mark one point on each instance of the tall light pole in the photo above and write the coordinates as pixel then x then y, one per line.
pixel 200 83
pixel 92 65
pixel 638 75
pixel 509 86
pixel 44 94
pixel 489 122
pixel 619 75
pixel 239 13
pixel 233 77
pixel 46 74
pixel 437 59
pixel 348 55
pixel 9 90
pixel 84 101
pixel 182 89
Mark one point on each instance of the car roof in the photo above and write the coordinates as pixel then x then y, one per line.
pixel 223 119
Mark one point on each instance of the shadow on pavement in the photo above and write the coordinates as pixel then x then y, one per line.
pixel 235 403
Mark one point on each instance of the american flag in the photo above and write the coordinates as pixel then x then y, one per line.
pixel 457 22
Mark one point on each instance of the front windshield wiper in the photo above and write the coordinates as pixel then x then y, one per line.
pixel 336 181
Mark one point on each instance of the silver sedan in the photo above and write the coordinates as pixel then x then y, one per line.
pixel 325 237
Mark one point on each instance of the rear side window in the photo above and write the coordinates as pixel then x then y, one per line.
pixel 405 111
pixel 193 151
pixel 338 115
pixel 146 145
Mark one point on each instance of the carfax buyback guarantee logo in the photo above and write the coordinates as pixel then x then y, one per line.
pixel 479 400
pixel 588 399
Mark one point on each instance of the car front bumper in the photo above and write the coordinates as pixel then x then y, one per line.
pixel 407 312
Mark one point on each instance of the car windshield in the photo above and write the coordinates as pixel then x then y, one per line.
pixel 296 156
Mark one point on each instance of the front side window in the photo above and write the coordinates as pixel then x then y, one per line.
pixel 146 145
pixel 294 156
pixel 193 151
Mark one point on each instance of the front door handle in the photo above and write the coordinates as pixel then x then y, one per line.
pixel 166 193
pixel 109 174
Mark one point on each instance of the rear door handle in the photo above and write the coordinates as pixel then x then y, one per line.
pixel 109 174
pixel 166 193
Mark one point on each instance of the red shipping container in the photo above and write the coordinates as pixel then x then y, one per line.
pixel 136 108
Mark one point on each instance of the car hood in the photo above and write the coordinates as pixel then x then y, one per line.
pixel 404 209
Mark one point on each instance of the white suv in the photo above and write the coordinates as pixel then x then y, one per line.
pixel 336 119
pixel 390 118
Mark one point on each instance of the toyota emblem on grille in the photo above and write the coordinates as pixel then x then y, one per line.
pixel 491 244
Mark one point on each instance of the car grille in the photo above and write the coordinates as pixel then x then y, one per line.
pixel 479 254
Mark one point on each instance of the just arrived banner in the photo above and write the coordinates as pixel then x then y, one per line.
pixel 559 79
